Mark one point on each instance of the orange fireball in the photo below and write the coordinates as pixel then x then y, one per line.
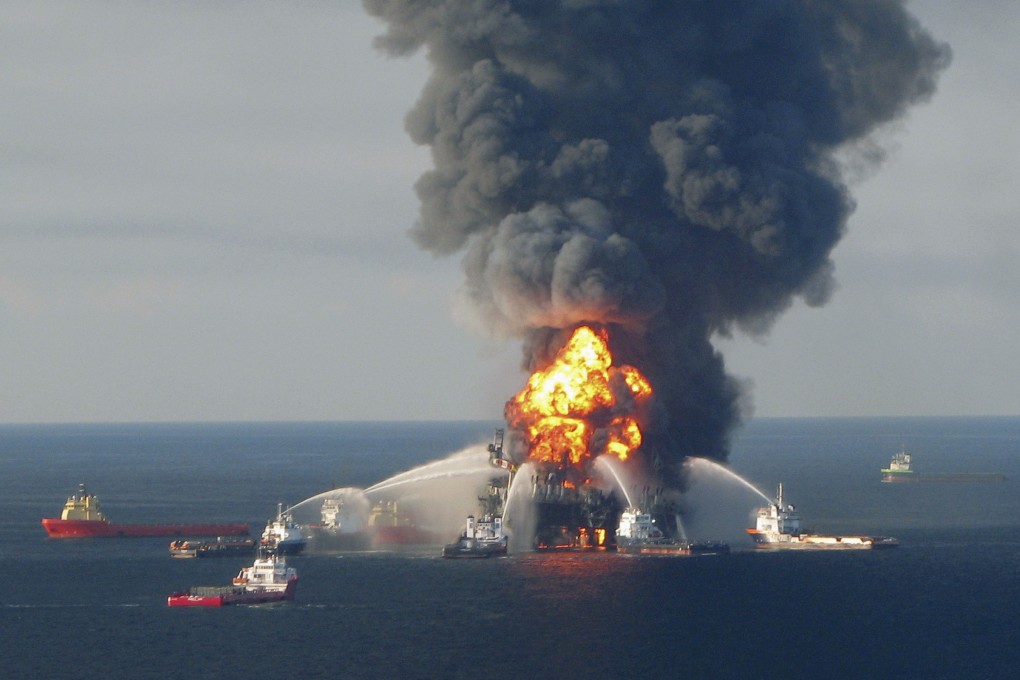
pixel 572 405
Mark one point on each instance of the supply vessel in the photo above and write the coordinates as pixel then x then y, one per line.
pixel 777 527
pixel 82 518
pixel 483 537
pixel 268 579
pixel 899 470
pixel 282 535
pixel 638 534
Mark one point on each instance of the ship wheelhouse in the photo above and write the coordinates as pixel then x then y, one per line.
pixel 82 506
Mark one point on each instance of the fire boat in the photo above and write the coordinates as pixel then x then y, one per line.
pixel 281 535
pixel 777 527
pixel 481 538
pixel 638 534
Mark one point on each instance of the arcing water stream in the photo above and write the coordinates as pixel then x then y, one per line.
pixel 520 522
pixel 434 476
pixel 608 463
pixel 711 466
pixel 473 460
pixel 444 490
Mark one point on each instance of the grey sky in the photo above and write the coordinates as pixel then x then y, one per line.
pixel 204 207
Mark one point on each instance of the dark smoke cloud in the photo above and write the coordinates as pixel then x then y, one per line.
pixel 663 168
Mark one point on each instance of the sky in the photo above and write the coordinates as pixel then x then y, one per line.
pixel 204 216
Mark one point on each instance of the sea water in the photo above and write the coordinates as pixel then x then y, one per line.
pixel 942 605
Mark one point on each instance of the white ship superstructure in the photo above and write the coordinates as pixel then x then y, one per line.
pixel 638 534
pixel 269 573
pixel 482 537
pixel 282 535
pixel 637 527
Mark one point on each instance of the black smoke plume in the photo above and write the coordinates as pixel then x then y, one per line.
pixel 662 168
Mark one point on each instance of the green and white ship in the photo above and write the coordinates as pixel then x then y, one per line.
pixel 899 471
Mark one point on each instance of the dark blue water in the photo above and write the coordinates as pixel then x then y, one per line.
pixel 942 605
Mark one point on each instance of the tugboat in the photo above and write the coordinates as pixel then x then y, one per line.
pixel 282 536
pixel 221 547
pixel 778 528
pixel 344 526
pixel 481 538
pixel 484 537
pixel 899 471
pixel 81 518
pixel 637 534
pixel 268 579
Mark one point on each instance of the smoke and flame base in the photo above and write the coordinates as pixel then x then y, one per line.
pixel 571 517
pixel 586 517
pixel 567 515
pixel 582 405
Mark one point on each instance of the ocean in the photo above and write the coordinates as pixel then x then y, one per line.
pixel 942 605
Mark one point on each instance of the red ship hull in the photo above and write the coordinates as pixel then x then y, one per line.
pixel 230 596
pixel 87 528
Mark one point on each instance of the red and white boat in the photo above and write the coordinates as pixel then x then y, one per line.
pixel 81 518
pixel 268 579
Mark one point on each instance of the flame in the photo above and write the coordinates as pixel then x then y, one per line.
pixel 564 406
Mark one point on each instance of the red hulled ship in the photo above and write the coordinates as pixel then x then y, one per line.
pixel 81 518
pixel 268 579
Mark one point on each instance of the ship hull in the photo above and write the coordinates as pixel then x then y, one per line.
pixel 190 549
pixel 83 528
pixel 681 548
pixel 464 551
pixel 818 542
pixel 898 478
pixel 326 540
pixel 288 548
pixel 223 597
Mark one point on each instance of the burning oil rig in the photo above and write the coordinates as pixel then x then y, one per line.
pixel 566 515
pixel 579 408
